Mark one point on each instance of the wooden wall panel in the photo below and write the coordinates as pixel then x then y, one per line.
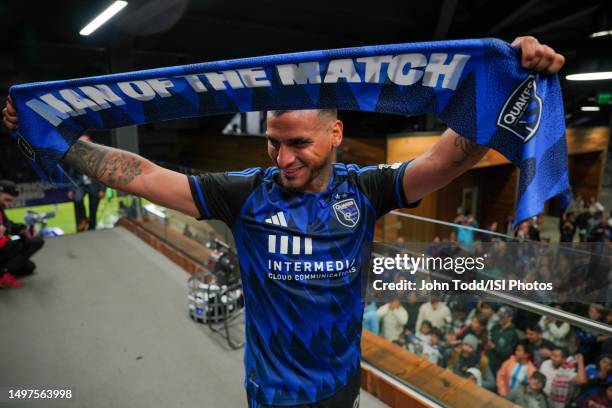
pixel 585 172
pixel 497 188
pixel 585 140
pixel 223 153
pixel 364 151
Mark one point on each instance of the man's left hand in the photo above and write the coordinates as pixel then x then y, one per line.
pixel 539 57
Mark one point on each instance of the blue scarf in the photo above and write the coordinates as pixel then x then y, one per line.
pixel 477 87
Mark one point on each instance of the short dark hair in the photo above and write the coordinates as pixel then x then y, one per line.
pixel 536 328
pixel 540 377
pixel 322 112
pixel 564 351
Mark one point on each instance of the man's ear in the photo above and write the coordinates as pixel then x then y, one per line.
pixel 337 129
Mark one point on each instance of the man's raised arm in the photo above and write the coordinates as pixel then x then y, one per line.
pixel 453 155
pixel 124 171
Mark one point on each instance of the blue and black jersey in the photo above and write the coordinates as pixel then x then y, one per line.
pixel 301 258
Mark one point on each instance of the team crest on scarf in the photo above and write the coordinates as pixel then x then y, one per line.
pixel 347 212
pixel 522 111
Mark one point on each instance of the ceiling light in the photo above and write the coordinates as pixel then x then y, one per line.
pixel 601 33
pixel 590 108
pixel 589 76
pixel 103 17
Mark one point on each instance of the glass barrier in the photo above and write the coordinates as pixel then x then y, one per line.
pixel 495 336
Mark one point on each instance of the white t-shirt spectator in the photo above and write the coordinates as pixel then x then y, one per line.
pixel 393 321
pixel 558 334
pixel 558 382
pixel 436 317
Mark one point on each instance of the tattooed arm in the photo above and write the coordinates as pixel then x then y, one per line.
pixel 132 174
pixel 447 159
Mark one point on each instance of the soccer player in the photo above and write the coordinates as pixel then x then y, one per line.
pixel 303 231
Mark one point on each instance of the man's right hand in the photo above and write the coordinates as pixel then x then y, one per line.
pixel 9 115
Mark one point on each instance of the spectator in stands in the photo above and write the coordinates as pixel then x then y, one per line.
pixel 603 399
pixel 588 342
pixel 533 229
pixel 567 227
pixel 514 371
pixel 537 346
pixel 599 229
pixel 431 350
pixel 465 356
pixel 465 236
pixel 555 330
pixel 424 331
pixel 595 206
pixel 370 318
pixel 562 375
pixel 478 329
pixel 412 307
pixel 492 227
pixel 393 318
pixel 15 253
pixel 474 375
pixel 531 395
pixel 598 377
pixel 486 312
pixel 435 311
pixel 504 339
pixel 582 223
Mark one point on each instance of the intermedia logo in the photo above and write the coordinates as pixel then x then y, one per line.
pixel 284 244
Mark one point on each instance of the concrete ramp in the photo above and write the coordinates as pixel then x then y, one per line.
pixel 106 317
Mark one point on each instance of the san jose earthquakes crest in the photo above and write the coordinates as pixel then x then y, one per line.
pixel 347 212
pixel 522 111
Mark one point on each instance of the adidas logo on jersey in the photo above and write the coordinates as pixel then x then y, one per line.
pixel 284 244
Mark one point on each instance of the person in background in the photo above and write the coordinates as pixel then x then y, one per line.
pixel 477 327
pixel 412 308
pixel 370 318
pixel 514 371
pixel 582 223
pixel 473 374
pixel 537 346
pixel 603 399
pixel 83 186
pixel 598 376
pixel 15 254
pixel 531 395
pixel 595 206
pixel 555 331
pixel 588 342
pixel 504 338
pixel 562 375
pixel 465 236
pixel 435 311
pixel 431 350
pixel 393 318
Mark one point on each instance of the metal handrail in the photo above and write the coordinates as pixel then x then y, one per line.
pixel 400 383
pixel 450 224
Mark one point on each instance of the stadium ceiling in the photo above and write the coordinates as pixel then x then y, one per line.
pixel 41 40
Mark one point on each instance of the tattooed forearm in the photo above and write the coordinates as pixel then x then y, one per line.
pixel 468 149
pixel 112 167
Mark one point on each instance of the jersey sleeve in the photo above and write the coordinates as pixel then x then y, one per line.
pixel 384 188
pixel 222 195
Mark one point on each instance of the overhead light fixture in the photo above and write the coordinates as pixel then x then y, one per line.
pixel 590 76
pixel 601 33
pixel 103 17
pixel 590 108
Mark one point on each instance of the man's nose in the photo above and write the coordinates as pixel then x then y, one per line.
pixel 285 157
